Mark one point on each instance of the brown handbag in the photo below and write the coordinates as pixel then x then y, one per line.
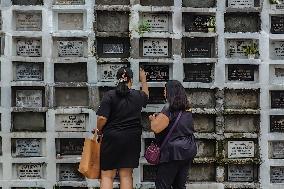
pixel 90 160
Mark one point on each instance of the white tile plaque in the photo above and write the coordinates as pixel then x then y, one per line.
pixel 240 173
pixel 70 48
pixel 30 171
pixel 28 21
pixel 155 47
pixel 69 2
pixel 29 98
pixel 27 147
pixel 240 3
pixel 108 71
pixel 28 47
pixel 240 149
pixel 157 22
pixel 29 72
pixel 70 122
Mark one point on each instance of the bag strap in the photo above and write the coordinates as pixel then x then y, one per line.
pixel 172 129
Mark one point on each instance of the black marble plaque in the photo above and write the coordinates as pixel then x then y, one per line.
pixel 277 174
pixel 277 24
pixel 199 47
pixel 157 72
pixel 156 95
pixel 241 72
pixel 113 47
pixel 198 73
pixel 242 22
pixel 277 99
pixel 74 72
pixel 277 149
pixel 149 173
pixel 276 123
pixel 67 146
pixel 196 23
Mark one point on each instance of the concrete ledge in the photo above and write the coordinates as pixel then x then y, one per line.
pixel 205 186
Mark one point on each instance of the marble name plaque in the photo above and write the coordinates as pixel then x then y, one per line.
pixel 156 95
pixel 277 24
pixel 280 5
pixel 69 172
pixel 240 173
pixel 70 48
pixel 27 2
pixel 155 47
pixel 70 122
pixel 241 72
pixel 29 71
pixel 27 21
pixel 277 174
pixel 199 48
pixel 277 149
pixel 279 72
pixel 240 4
pixel 278 49
pixel 70 21
pixel 30 171
pixel 157 22
pixel 70 146
pixel 108 71
pixel 157 72
pixel 198 73
pixel 197 23
pixel 240 149
pixel 27 148
pixel 29 98
pixel 235 47
pixel 113 48
pixel 277 99
pixel 70 2
pixel 277 123
pixel 149 173
pixel 28 47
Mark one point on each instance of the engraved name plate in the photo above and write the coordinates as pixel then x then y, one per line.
pixel 235 47
pixel 277 24
pixel 67 146
pixel 278 49
pixel 70 48
pixel 157 22
pixel 69 172
pixel 240 173
pixel 277 99
pixel 241 4
pixel 27 21
pixel 155 47
pixel 277 123
pixel 29 71
pixel 197 23
pixel 108 71
pixel 29 98
pixel 199 47
pixel 70 122
pixel 28 47
pixel 240 149
pixel 157 72
pixel 113 48
pixel 30 171
pixel 27 148
pixel 198 73
pixel 241 72
pixel 277 174
pixel 70 2
pixel 277 149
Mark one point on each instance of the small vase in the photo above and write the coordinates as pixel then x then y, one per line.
pixel 211 30
pixel 251 56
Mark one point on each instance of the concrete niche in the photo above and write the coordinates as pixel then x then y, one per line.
pixel 71 96
pixel 155 47
pixel 238 149
pixel 277 24
pixel 158 22
pixel 21 121
pixel 202 172
pixel 157 2
pixel 194 22
pixel 71 122
pixel 156 72
pixel 204 123
pixel 27 2
pixel 70 21
pixel 69 2
pixel 156 95
pixel 205 148
pixel 277 123
pixel 27 147
pixel 276 50
pixel 235 47
pixel 149 173
pixel 27 47
pixel 29 171
pixel 69 147
pixel 242 173
pixel 242 73
pixel 241 99
pixel 277 99
pixel 112 2
pixel 242 123
pixel 201 98
pixel 69 172
pixel 198 47
pixel 242 22
pixel 276 149
pixel 277 174
pixel 73 72
pixel 239 4
pixel 108 21
pixel 28 97
pixel 113 47
pixel 70 47
pixel 28 20
pixel 200 72
pixel 28 71
pixel 199 4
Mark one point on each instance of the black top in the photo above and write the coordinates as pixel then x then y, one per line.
pixel 181 144
pixel 122 113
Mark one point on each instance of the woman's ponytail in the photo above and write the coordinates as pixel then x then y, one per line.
pixel 124 76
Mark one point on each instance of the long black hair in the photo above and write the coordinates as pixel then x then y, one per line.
pixel 124 75
pixel 176 96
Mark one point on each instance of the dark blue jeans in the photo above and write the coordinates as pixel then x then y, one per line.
pixel 172 174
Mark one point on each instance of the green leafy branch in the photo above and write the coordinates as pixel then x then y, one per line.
pixel 144 27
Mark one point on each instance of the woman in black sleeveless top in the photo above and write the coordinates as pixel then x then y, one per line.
pixel 119 120
pixel 179 151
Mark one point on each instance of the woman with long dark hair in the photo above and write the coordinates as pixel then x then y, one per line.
pixel 119 118
pixel 180 149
